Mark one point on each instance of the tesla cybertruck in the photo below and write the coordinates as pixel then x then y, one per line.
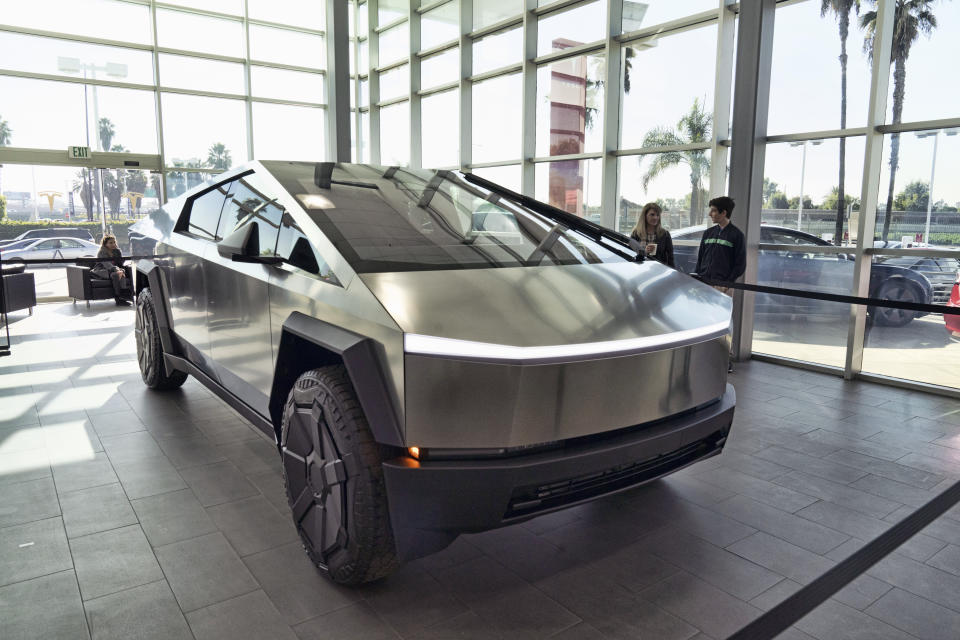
pixel 432 353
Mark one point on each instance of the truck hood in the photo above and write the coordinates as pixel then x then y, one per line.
pixel 549 312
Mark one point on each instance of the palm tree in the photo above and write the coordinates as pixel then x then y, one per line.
pixel 218 157
pixel 910 19
pixel 841 8
pixel 6 134
pixel 695 126
pixel 106 131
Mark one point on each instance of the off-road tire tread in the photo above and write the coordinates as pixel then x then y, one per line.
pixel 371 552
pixel 155 378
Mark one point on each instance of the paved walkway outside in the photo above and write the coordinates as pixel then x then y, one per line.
pixel 128 513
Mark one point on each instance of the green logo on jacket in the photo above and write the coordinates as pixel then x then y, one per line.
pixel 725 243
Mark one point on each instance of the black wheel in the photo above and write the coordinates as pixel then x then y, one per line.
pixel 902 291
pixel 334 480
pixel 149 349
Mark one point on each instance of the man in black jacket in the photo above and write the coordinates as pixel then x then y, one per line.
pixel 723 251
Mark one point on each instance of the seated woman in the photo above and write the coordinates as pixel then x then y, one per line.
pixel 111 268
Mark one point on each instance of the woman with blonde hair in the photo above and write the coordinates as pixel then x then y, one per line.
pixel 655 240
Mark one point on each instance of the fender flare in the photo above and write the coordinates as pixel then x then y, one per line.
pixel 318 343
pixel 156 282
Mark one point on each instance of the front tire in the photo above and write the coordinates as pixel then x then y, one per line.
pixel 334 480
pixel 902 291
pixel 149 348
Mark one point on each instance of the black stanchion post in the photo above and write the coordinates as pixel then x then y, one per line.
pixel 5 336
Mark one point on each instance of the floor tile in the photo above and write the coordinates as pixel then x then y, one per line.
pixel 828 468
pixel 782 557
pixel 838 493
pixel 411 600
pixel 112 561
pixel 116 423
pixel 32 550
pixel 354 621
pixel 22 466
pixel 218 483
pixel 794 529
pixel 28 501
pixel 915 615
pixel 885 469
pixel 43 608
pixel 96 509
pixel 131 448
pixel 701 604
pixel 835 621
pixel 249 616
pixel 172 517
pixel 848 521
pixel 776 594
pixel 862 592
pixel 253 525
pixel 84 474
pixel 948 559
pixel 149 477
pixel 203 571
pixel 147 612
pixel 763 491
pixel 190 451
pixel 920 579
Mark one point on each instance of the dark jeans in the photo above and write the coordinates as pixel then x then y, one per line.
pixel 121 288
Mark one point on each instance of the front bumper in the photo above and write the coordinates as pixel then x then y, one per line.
pixel 433 501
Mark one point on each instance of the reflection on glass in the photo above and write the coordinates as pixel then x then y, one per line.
pixel 188 72
pixel 492 11
pixel 440 68
pixel 497 50
pixel 299 13
pixel 364 93
pixel 364 137
pixel 233 7
pixel 364 57
pixel 123 119
pixel 390 10
pixel 440 116
pixel 286 85
pixel 921 158
pixel 203 132
pixel 570 106
pixel 395 134
pixel 179 180
pixel 44 114
pixel 193 32
pixel 496 132
pixel 36 54
pixel 107 19
pixel 690 55
pixel 784 326
pixel 640 15
pixel 678 182
pixel 925 350
pixel 440 25
pixel 799 27
pixel 272 124
pixel 571 27
pixel 394 44
pixel 506 176
pixel 790 168
pixel 269 44
pixel 363 19
pixel 395 82
pixel 571 185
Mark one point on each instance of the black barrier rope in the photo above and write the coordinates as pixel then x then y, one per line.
pixel 778 619
pixel 80 261
pixel 834 297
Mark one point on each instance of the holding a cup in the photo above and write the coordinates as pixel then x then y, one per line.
pixel 650 234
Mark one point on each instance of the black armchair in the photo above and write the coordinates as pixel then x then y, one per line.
pixel 19 289
pixel 83 285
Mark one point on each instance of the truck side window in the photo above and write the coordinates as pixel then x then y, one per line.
pixel 247 206
pixel 205 213
pixel 294 247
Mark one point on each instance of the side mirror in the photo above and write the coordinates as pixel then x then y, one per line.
pixel 243 243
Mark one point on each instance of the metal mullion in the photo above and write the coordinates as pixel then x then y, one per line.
pixel 912 385
pixel 373 59
pixel 73 79
pixel 920 125
pixel 557 6
pixel 503 25
pixel 391 25
pixel 287 27
pixel 391 102
pixel 593 155
pixel 493 73
pixel 870 187
pixel 528 129
pixel 852 132
pixel 205 94
pixel 198 54
pixel 429 6
pixel 158 102
pixel 248 85
pixel 290 103
pixel 440 48
pixel 393 65
pixel 195 170
pixel 201 12
pixel 824 249
pixel 572 52
pixel 439 88
pixel 497 163
pixel 288 67
pixel 798 364
pixel 338 84
pixel 722 99
pixel 416 124
pixel 640 151
pixel 75 38
pixel 609 174
pixel 465 116
pixel 912 253
pixel 673 26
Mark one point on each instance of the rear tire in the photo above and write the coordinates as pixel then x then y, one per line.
pixel 334 479
pixel 902 291
pixel 149 348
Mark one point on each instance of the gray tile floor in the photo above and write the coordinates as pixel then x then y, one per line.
pixel 126 513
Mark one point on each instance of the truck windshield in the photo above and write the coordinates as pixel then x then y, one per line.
pixel 395 219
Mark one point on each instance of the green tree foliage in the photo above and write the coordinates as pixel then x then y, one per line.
pixel 695 126
pixel 833 198
pixel 769 188
pixel 794 203
pixel 914 197
pixel 86 185
pixel 106 131
pixel 218 157
pixel 841 9
pixel 911 18
pixel 778 200
pixel 3 207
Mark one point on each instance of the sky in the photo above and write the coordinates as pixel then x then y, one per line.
pixel 666 78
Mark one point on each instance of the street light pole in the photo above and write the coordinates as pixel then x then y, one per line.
pixel 933 170
pixel 803 169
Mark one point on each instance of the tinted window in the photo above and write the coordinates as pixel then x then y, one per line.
pixel 294 247
pixel 247 206
pixel 205 213
pixel 47 244
pixel 69 244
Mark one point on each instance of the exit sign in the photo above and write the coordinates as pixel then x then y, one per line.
pixel 78 153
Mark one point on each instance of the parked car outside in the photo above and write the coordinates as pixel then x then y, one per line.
pixel 50 249
pixel 56 232
pixel 940 270
pixel 432 354
pixel 804 270
pixel 953 322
